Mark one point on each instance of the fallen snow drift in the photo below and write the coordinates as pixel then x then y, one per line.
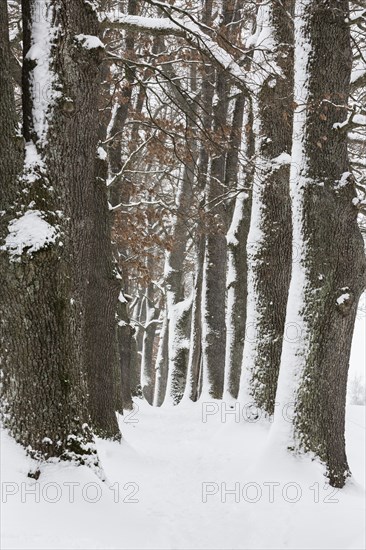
pixel 154 496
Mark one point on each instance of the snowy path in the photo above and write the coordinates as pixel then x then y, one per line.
pixel 166 456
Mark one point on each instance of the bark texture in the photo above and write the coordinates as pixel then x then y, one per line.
pixel 330 276
pixel 178 309
pixel 192 390
pixel 87 208
pixel 214 288
pixel 44 386
pixel 269 240
pixel 147 363
pixel 237 258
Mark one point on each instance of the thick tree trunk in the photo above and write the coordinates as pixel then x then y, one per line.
pixel 120 193
pixel 269 239
pixel 147 364
pixel 125 338
pixel 328 279
pixel 161 366
pixel 178 349
pixel 102 291
pixel 91 234
pixel 46 299
pixel 178 309
pixel 194 369
pixel 222 172
pixel 214 270
pixel 236 278
pixel 10 144
pixel 192 390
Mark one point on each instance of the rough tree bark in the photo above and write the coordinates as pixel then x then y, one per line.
pixel 80 58
pixel 328 280
pixel 147 363
pixel 111 127
pixel 178 309
pixel 194 369
pixel 214 267
pixel 236 279
pixel 192 389
pixel 43 311
pixel 120 193
pixel 161 365
pixel 269 239
pixel 172 359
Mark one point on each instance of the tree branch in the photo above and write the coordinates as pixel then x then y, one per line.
pixel 191 32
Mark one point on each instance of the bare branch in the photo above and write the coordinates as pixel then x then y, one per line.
pixel 191 33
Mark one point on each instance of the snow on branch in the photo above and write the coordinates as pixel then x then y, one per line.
pixel 154 25
pixel 358 18
pixel 354 120
pixel 190 31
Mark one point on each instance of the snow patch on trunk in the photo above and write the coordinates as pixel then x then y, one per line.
pixel 29 233
pixel 263 66
pixel 295 351
pixel 89 42
pixel 176 341
pixel 43 79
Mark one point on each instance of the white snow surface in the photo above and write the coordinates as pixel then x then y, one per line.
pixel 176 340
pixel 264 43
pixel 282 159
pixel 101 153
pixel 89 42
pixel 159 468
pixel 33 163
pixel 43 79
pixel 295 350
pixel 31 232
pixel 263 65
pixel 343 298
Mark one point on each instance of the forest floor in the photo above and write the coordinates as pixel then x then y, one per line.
pixel 154 495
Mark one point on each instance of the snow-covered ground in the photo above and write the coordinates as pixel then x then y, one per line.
pixel 169 481
pixel 166 489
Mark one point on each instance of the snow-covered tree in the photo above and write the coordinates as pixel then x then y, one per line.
pixel 60 293
pixel 329 277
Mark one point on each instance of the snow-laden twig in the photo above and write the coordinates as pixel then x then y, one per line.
pixel 190 31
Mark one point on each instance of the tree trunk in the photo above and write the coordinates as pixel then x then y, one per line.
pixel 214 278
pixel 269 240
pixel 91 240
pixel 328 279
pixel 125 338
pixel 236 278
pixel 101 300
pixel 221 168
pixel 147 364
pixel 178 309
pixel 10 145
pixel 178 351
pixel 44 311
pixel 192 390
pixel 141 310
pixel 161 366
pixel 120 193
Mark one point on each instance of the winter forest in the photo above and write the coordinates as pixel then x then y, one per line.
pixel 182 274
